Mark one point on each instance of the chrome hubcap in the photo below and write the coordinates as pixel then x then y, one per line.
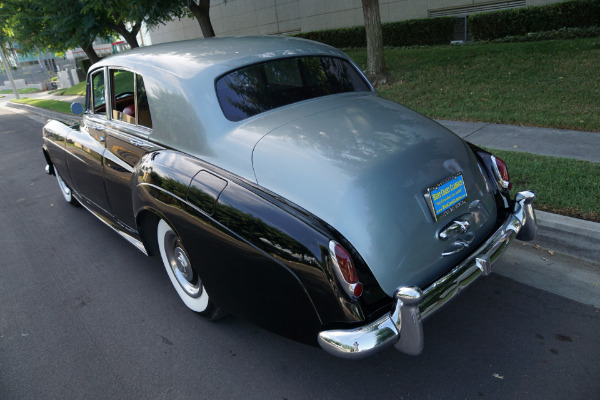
pixel 181 266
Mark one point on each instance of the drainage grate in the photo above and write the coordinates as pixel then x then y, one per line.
pixel 464 11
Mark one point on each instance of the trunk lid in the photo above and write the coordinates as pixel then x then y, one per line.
pixel 363 165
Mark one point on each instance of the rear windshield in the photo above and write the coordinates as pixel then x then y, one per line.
pixel 262 87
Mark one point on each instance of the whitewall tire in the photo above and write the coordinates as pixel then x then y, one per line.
pixel 183 277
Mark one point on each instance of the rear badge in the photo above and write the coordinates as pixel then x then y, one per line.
pixel 446 196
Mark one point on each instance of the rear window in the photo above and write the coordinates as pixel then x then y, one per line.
pixel 262 87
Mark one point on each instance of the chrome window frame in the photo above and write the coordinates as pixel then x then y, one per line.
pixel 130 128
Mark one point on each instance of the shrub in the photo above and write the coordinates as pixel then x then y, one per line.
pixel 341 37
pixel 559 34
pixel 428 31
pixel 521 21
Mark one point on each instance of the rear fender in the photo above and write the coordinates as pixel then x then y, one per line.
pixel 240 277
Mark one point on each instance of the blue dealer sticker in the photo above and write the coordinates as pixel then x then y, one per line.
pixel 447 196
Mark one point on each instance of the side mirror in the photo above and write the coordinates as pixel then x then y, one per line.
pixel 76 108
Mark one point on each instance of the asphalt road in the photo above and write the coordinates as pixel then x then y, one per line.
pixel 84 315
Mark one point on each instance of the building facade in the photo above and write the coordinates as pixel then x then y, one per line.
pixel 270 17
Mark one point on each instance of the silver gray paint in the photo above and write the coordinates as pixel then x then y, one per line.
pixel 180 78
pixel 358 162
pixel 362 164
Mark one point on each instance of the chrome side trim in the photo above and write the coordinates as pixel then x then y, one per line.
pixel 403 325
pixel 136 242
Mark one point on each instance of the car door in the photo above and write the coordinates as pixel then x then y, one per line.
pixel 86 146
pixel 129 126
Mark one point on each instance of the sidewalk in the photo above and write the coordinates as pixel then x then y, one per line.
pixel 544 141
pixel 571 236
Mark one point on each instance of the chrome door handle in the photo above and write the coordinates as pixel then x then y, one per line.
pixel 137 142
pixel 99 128
pixel 140 143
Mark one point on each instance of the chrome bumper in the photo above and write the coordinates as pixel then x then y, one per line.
pixel 403 327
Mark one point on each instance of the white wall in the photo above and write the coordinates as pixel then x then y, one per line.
pixel 268 17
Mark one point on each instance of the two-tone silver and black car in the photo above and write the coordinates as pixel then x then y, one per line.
pixel 276 185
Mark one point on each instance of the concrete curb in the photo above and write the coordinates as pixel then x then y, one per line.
pixel 568 235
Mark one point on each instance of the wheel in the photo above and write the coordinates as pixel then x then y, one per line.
pixel 184 278
pixel 65 190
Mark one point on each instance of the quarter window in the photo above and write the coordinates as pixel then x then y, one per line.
pixel 129 99
pixel 143 108
pixel 98 93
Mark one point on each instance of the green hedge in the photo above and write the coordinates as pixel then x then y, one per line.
pixel 559 34
pixel 428 31
pixel 521 21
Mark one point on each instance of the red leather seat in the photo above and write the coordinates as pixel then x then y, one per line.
pixel 129 110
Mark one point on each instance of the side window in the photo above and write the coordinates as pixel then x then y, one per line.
pixel 98 94
pixel 129 100
pixel 123 95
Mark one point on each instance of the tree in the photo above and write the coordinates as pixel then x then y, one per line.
pixel 54 25
pixel 201 12
pixel 5 31
pixel 127 17
pixel 375 58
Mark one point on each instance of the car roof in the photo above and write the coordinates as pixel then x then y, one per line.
pixel 179 78
pixel 215 56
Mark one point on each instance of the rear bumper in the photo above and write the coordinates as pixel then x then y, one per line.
pixel 402 327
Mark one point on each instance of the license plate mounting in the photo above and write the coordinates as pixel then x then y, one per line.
pixel 446 196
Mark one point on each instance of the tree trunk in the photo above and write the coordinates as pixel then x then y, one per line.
pixel 129 36
pixel 375 60
pixel 131 39
pixel 201 12
pixel 88 48
pixel 7 68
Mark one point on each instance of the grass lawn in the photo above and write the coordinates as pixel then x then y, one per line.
pixel 76 90
pixel 563 186
pixel 48 104
pixel 21 91
pixel 549 83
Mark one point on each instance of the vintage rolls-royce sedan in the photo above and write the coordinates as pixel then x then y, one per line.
pixel 276 185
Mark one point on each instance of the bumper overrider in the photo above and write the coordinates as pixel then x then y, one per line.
pixel 402 327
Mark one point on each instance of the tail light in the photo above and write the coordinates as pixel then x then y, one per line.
pixel 344 270
pixel 501 172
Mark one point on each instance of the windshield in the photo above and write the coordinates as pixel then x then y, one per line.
pixel 262 87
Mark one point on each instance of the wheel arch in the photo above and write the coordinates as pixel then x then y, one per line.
pixel 147 222
pixel 49 162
